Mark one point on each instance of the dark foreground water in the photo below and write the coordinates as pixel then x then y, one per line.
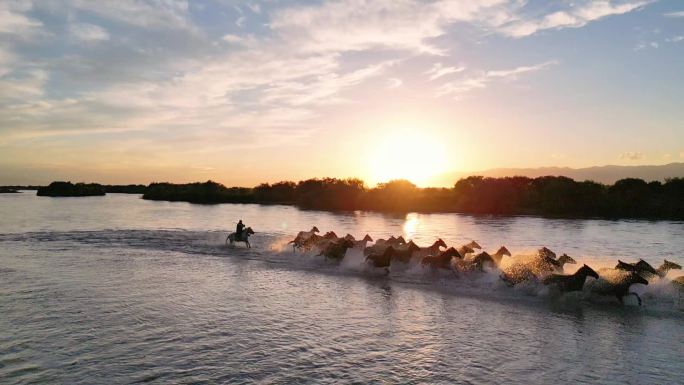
pixel 120 290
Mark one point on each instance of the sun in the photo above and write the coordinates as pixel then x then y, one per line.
pixel 410 155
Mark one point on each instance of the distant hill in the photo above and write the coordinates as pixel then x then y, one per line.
pixel 602 174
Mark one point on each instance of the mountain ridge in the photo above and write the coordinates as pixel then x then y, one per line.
pixel 607 174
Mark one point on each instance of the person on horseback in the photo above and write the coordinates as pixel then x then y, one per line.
pixel 238 229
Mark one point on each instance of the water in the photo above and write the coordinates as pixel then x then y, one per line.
pixel 119 290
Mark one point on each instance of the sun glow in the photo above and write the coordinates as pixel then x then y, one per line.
pixel 410 155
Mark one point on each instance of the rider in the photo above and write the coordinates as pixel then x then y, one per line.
pixel 238 229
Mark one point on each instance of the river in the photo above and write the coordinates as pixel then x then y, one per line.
pixel 117 289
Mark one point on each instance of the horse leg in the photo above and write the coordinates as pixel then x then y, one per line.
pixel 637 297
pixel 227 238
pixel 248 245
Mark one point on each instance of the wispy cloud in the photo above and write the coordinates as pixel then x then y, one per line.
pixel 674 14
pixel 575 17
pixel 88 32
pixel 438 70
pixel 394 83
pixel 483 79
pixel 14 19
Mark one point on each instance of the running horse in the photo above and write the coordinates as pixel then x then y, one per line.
pixel 572 282
pixel 244 237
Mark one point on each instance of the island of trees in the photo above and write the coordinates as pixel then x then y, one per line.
pixel 68 189
pixel 553 196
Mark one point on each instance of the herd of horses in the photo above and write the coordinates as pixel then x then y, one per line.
pixel 544 267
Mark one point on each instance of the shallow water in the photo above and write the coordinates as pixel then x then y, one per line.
pixel 119 290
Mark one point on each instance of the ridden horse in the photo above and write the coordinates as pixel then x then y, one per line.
pixel 498 256
pixel 432 249
pixel 441 260
pixel 572 282
pixel 382 260
pixel 244 237
pixel 336 249
pixel 620 287
pixel 640 267
pixel 667 266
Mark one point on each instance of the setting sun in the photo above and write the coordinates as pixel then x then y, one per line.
pixel 410 155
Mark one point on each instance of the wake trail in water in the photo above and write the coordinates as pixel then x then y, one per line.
pixel 272 248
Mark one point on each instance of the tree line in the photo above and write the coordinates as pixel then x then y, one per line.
pixel 554 196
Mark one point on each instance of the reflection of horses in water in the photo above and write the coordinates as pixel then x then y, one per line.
pixel 244 237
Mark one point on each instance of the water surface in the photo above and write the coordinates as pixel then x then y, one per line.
pixel 116 289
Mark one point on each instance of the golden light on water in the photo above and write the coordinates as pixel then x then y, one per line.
pixel 410 226
pixel 413 155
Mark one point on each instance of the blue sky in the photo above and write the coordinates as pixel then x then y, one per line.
pixel 251 91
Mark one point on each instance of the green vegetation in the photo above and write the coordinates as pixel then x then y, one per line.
pixel 68 189
pixel 546 196
pixel 7 190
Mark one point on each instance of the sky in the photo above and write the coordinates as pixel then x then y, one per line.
pixel 244 92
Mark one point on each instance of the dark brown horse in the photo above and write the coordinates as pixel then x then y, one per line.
pixel 640 267
pixel 572 282
pixel 432 249
pixel 618 287
pixel 481 260
pixel 404 253
pixel 381 260
pixel 441 260
pixel 337 249
pixel 498 256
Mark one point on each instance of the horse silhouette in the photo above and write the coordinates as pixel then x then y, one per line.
pixel 572 282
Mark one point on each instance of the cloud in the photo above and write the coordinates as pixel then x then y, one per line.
pixel 14 21
pixel 574 17
pixel 88 32
pixel 162 79
pixel 483 79
pixel 438 70
pixel 632 155
pixel 394 83
pixel 675 39
pixel 149 14
pixel 674 14
pixel 356 25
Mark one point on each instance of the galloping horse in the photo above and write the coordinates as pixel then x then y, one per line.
pixel 244 237
pixel 667 266
pixel 498 256
pixel 618 285
pixel 441 260
pixel 640 267
pixel 573 282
